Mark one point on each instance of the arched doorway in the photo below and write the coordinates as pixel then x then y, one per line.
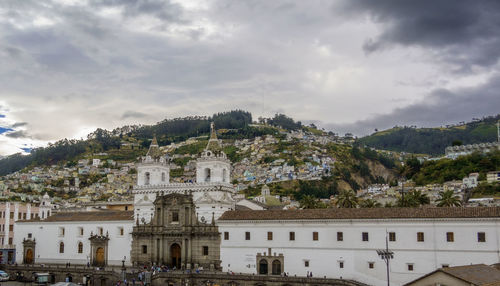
pixel 263 266
pixel 29 256
pixel 99 257
pixel 276 267
pixel 175 253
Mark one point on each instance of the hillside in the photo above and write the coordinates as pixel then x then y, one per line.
pixel 433 141
pixel 233 125
pixel 304 161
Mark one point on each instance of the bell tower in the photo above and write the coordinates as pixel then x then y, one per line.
pixel 213 165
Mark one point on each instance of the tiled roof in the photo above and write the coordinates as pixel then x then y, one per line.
pixel 87 216
pixel 363 213
pixel 476 274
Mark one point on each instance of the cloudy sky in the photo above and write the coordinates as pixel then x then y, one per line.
pixel 70 66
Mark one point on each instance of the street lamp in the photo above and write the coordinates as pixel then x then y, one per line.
pixel 123 268
pixel 386 255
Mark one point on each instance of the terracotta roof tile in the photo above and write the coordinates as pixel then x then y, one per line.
pixel 363 213
pixel 478 274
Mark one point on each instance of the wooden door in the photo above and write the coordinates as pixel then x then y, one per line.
pixel 99 257
pixel 29 256
pixel 175 253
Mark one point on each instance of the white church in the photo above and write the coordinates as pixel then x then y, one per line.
pixel 212 192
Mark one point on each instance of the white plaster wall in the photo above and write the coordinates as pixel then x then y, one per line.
pixel 48 238
pixel 216 174
pixel 155 174
pixel 238 254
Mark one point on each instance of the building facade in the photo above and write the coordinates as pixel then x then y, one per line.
pixel 343 242
pixel 99 238
pixel 10 212
pixel 175 237
pixel 212 192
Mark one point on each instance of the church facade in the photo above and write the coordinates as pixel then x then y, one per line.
pixel 174 237
pixel 212 192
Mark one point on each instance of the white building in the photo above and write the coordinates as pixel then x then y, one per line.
pixel 212 192
pixel 471 180
pixel 343 242
pixel 99 237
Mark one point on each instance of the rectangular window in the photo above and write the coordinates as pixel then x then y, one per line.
pixel 340 236
pixel 144 249
pixel 449 237
pixel 247 235
pixel 306 263
pixel 205 250
pixel 445 265
pixel 392 236
pixel 292 235
pixel 226 235
pixel 80 231
pixel 175 217
pixel 269 235
pixel 481 237
pixel 24 215
pixel 10 240
pixel 122 232
pixel 11 227
pixel 341 264
pixel 371 265
pixel 420 236
pixel 100 230
pixel 32 216
pixel 315 235
pixel 364 236
pixel 11 215
pixel 29 235
pixel 61 231
pixel 410 267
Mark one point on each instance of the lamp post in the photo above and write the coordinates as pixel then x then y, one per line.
pixel 386 255
pixel 123 268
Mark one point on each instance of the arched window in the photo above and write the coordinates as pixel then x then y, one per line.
pixel 163 176
pixel 263 266
pixel 80 247
pixel 61 247
pixel 147 177
pixel 276 267
pixel 207 175
pixel 224 176
pixel 43 214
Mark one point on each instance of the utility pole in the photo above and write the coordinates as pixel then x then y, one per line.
pixel 386 255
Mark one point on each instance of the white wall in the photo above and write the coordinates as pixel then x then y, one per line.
pixel 238 254
pixel 217 168
pixel 155 174
pixel 47 235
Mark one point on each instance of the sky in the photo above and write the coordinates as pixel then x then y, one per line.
pixel 69 67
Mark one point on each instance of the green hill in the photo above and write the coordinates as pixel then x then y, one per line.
pixel 433 140
pixel 235 124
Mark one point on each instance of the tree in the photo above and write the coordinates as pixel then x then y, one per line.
pixel 420 197
pixel 370 203
pixel 347 199
pixel 448 199
pixel 308 202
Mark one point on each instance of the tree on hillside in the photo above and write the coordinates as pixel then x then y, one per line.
pixel 347 199
pixel 448 199
pixel 370 203
pixel 308 202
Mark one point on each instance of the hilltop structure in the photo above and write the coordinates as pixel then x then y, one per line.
pixel 212 192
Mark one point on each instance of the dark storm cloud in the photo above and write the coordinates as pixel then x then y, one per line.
pixel 439 108
pixel 133 114
pixel 162 9
pixel 18 134
pixel 19 124
pixel 460 32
